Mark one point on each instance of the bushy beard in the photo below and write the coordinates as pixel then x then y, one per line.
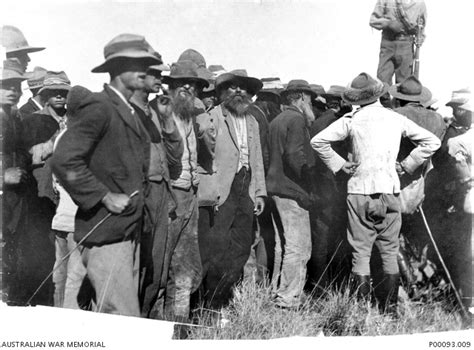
pixel 183 106
pixel 237 103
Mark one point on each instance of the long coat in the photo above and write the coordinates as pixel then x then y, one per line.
pixel 105 148
pixel 214 186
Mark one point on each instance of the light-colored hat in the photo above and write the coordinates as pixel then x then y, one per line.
pixel 410 89
pixel 35 79
pixel 12 70
pixel 13 40
pixel 56 81
pixel 459 97
pixel 131 46
pixel 364 90
pixel 252 85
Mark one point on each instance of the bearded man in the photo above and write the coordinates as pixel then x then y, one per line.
pixel 184 275
pixel 289 183
pixel 232 191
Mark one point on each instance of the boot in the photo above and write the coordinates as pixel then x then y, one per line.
pixel 361 286
pixel 388 298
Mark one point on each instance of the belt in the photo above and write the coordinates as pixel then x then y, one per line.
pixel 399 36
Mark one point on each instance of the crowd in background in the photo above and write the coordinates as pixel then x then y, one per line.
pixel 163 191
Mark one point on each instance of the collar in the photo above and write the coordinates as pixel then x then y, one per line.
pixel 122 97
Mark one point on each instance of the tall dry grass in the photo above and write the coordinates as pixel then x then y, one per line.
pixel 251 315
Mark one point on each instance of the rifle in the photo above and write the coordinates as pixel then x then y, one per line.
pixel 418 42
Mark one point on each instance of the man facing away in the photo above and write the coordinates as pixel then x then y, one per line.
pixel 102 161
pixel 373 204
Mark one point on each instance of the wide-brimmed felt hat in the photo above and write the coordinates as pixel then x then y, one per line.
pixel 194 56
pixel 35 78
pixel 410 89
pixel 459 97
pixel 318 89
pixel 12 70
pixel 216 70
pixel 128 46
pixel 364 90
pixel 272 86
pixel 158 67
pixel 13 40
pixel 334 92
pixel 239 76
pixel 298 85
pixel 187 71
pixel 55 81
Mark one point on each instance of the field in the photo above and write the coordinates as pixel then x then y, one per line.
pixel 251 315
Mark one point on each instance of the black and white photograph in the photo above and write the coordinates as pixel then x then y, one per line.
pixel 191 173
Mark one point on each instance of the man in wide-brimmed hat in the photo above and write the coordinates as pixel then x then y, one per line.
pixel 183 259
pixel 14 164
pixel 328 212
pixel 166 150
pixel 373 188
pixel 232 190
pixel 399 22
pixel 35 83
pixel 102 161
pixel 16 46
pixel 289 183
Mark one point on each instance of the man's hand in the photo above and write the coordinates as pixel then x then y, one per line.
pixel 259 206
pixel 116 203
pixel 13 176
pixel 164 107
pixel 399 169
pixel 350 168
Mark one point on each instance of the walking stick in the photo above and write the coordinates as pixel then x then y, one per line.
pixel 73 250
pixel 458 297
pixel 418 42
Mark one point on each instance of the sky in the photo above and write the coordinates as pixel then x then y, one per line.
pixel 324 42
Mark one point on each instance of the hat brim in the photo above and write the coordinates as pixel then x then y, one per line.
pixel 360 97
pixel 55 87
pixel 202 83
pixel 424 96
pixel 111 61
pixel 454 103
pixel 26 49
pixel 252 85
pixel 284 93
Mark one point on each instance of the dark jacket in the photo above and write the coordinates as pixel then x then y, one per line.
pixel 105 148
pixel 28 108
pixel 262 119
pixel 291 158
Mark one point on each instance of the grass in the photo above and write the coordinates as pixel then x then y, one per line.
pixel 251 315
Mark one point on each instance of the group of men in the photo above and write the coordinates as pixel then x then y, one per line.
pixel 156 194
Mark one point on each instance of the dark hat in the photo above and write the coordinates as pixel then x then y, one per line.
pixel 410 90
pixel 459 97
pixel 240 76
pixel 194 56
pixel 298 85
pixel 56 81
pixel 318 89
pixel 130 46
pixel 13 40
pixel 334 92
pixel 185 70
pixel 35 78
pixel 158 67
pixel 76 95
pixel 12 70
pixel 364 90
pixel 467 106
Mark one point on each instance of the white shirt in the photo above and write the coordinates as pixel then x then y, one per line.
pixel 375 133
pixel 240 127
